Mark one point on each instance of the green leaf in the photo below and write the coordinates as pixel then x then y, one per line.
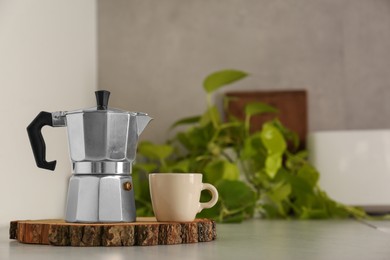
pixel 220 170
pixel 221 78
pixel 142 194
pixel 181 166
pixel 309 174
pixel 309 213
pixel 230 125
pixel 269 210
pixel 279 195
pixel 272 139
pixel 234 218
pixel 213 212
pixel 196 139
pixel 155 151
pixel 302 190
pixel 289 135
pixel 214 149
pixel 145 167
pixel 235 194
pixel 295 161
pixel 211 116
pixel 281 192
pixel 230 171
pixel 273 163
pixel 253 146
pixel 255 108
pixel 186 121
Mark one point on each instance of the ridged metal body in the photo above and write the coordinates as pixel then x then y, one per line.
pixel 102 146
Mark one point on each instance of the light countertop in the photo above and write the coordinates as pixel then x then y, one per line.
pixel 253 239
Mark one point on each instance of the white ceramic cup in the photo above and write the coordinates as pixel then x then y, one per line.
pixel 175 196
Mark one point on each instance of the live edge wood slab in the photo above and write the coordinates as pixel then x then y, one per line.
pixel 143 232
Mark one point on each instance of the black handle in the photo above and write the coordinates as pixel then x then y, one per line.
pixel 102 97
pixel 36 139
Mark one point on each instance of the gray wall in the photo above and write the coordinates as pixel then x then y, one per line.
pixel 154 55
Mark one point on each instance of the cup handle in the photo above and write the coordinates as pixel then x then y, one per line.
pixel 214 197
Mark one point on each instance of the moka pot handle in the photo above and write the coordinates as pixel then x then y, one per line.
pixel 38 145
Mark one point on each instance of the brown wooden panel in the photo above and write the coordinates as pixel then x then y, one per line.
pixel 292 106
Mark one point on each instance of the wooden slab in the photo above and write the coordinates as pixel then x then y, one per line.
pixel 143 232
pixel 292 106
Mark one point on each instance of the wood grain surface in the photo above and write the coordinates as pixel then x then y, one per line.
pixel 291 104
pixel 143 232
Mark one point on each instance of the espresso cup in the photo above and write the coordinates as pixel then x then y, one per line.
pixel 176 196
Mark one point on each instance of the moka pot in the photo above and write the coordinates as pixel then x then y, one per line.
pixel 102 146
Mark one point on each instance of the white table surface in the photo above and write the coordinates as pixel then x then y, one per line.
pixel 253 239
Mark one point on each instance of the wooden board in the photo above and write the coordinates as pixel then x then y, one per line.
pixel 143 232
pixel 292 106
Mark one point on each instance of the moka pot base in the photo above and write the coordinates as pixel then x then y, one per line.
pixel 100 198
pixel 145 231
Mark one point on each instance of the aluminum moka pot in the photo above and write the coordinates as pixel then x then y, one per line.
pixel 102 145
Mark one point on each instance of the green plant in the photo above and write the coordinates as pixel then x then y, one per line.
pixel 254 172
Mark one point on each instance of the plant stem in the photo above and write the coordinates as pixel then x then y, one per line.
pixel 164 167
pixel 247 125
pixel 227 157
pixel 210 111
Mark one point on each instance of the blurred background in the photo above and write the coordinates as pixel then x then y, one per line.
pixel 153 57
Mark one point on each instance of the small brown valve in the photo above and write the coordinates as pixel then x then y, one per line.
pixel 127 186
